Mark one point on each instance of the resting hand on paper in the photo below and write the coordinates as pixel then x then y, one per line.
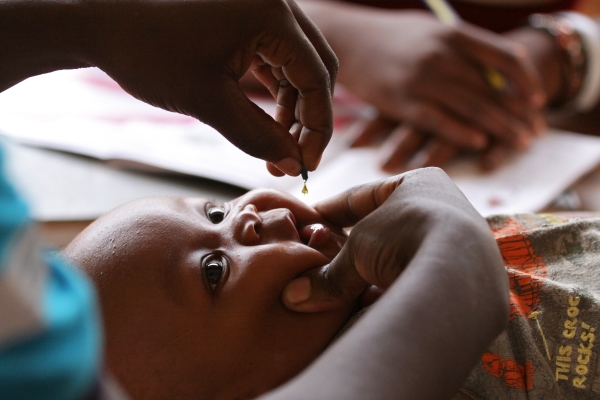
pixel 430 77
pixel 409 147
pixel 398 222
pixel 188 56
pixel 406 147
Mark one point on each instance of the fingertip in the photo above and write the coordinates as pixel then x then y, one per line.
pixel 312 144
pixel 289 166
pixel 273 170
pixel 316 163
pixel 297 291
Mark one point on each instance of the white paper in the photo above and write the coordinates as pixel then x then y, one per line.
pixel 85 112
pixel 527 182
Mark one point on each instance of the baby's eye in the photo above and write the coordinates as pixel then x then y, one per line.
pixel 214 272
pixel 216 214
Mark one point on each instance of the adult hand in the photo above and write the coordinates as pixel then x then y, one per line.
pixel 188 56
pixel 430 76
pixel 447 293
pixel 399 220
pixel 404 146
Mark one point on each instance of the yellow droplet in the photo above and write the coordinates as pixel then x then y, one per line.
pixel 305 189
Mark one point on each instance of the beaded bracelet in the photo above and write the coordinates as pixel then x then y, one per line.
pixel 589 31
pixel 572 55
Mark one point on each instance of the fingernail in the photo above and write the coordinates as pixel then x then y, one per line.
pixel 297 290
pixel 289 166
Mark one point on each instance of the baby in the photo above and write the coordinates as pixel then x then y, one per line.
pixel 191 293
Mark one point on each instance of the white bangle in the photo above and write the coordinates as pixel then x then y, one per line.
pixel 589 32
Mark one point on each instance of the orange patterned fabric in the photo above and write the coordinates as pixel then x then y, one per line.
pixel 548 350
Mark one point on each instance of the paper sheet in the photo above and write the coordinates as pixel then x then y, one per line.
pixel 527 182
pixel 85 112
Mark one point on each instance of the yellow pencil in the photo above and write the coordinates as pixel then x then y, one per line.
pixel 446 14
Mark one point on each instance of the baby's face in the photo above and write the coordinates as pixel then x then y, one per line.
pixel 190 292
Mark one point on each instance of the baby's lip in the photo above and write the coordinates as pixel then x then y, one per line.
pixel 313 234
pixel 320 238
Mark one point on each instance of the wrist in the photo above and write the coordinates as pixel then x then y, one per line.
pixel 588 31
pixel 569 50
pixel 546 60
pixel 37 37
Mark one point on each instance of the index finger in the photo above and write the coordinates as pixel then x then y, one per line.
pixel 349 207
pixel 309 64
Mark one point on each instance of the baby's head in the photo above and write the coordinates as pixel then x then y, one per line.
pixel 190 292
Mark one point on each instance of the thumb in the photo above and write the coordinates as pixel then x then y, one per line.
pixel 325 288
pixel 251 129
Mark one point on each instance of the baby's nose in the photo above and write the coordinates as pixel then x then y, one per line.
pixel 248 227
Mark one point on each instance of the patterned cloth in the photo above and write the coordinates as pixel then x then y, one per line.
pixel 549 350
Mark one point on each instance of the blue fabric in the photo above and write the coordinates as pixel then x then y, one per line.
pixel 13 212
pixel 63 361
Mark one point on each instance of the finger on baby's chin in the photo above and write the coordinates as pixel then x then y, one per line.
pixel 333 286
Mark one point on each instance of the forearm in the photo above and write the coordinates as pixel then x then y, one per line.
pixel 422 338
pixel 418 342
pixel 568 87
pixel 40 36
